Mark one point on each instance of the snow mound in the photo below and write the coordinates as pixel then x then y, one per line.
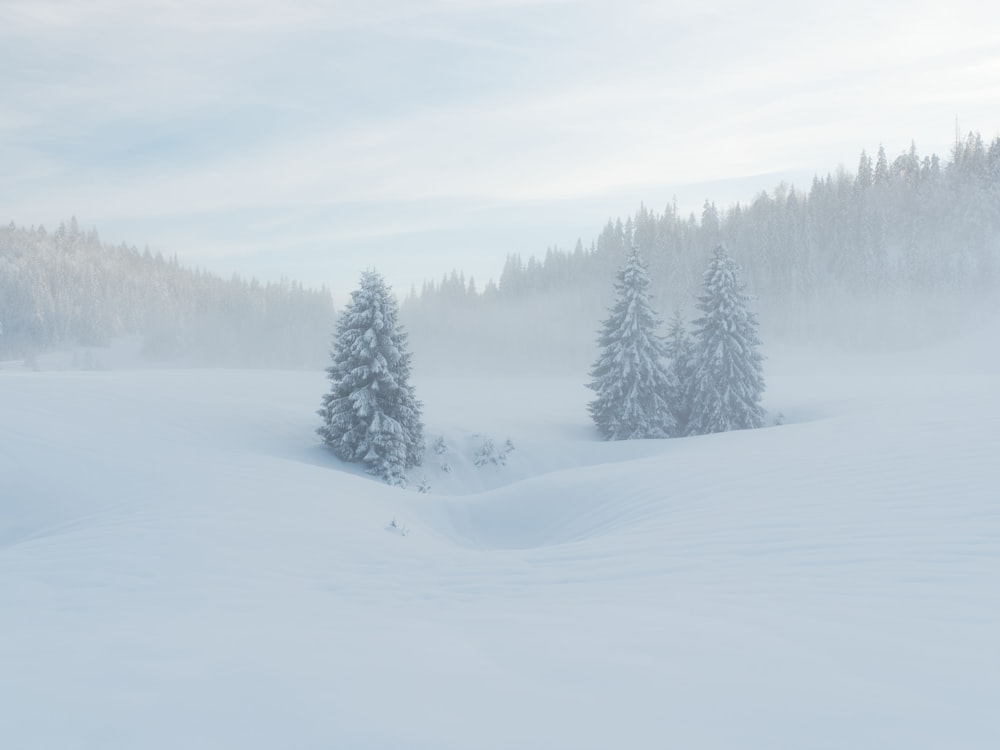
pixel 849 482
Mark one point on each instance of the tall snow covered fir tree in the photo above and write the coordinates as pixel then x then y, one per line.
pixel 371 415
pixel 726 374
pixel 630 376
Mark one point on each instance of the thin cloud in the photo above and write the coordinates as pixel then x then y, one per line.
pixel 210 113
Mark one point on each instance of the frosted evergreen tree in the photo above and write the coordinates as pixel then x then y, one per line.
pixel 631 376
pixel 371 415
pixel 727 378
pixel 679 353
pixel 881 176
pixel 865 176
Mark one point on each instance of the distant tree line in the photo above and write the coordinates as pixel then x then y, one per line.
pixel 66 288
pixel 857 256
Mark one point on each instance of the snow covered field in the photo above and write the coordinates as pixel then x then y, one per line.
pixel 182 565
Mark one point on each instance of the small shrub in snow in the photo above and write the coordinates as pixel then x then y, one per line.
pixel 446 467
pixel 424 487
pixel 397 527
pixel 488 453
pixel 440 446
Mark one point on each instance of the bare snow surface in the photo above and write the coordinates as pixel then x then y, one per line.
pixel 182 565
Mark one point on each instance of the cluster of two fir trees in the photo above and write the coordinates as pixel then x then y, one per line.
pixel 710 381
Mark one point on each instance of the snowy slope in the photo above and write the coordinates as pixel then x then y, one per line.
pixel 183 565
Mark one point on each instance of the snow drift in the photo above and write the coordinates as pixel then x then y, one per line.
pixel 183 564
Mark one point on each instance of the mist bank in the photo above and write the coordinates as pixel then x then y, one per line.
pixel 900 253
pixel 65 288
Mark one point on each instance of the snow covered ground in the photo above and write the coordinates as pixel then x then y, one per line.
pixel 182 565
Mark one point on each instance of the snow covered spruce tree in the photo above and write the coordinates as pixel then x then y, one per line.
pixel 370 415
pixel 679 350
pixel 630 376
pixel 726 374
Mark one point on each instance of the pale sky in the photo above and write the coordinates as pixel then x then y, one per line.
pixel 314 139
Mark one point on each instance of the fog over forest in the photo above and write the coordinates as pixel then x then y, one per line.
pixel 65 288
pixel 903 250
